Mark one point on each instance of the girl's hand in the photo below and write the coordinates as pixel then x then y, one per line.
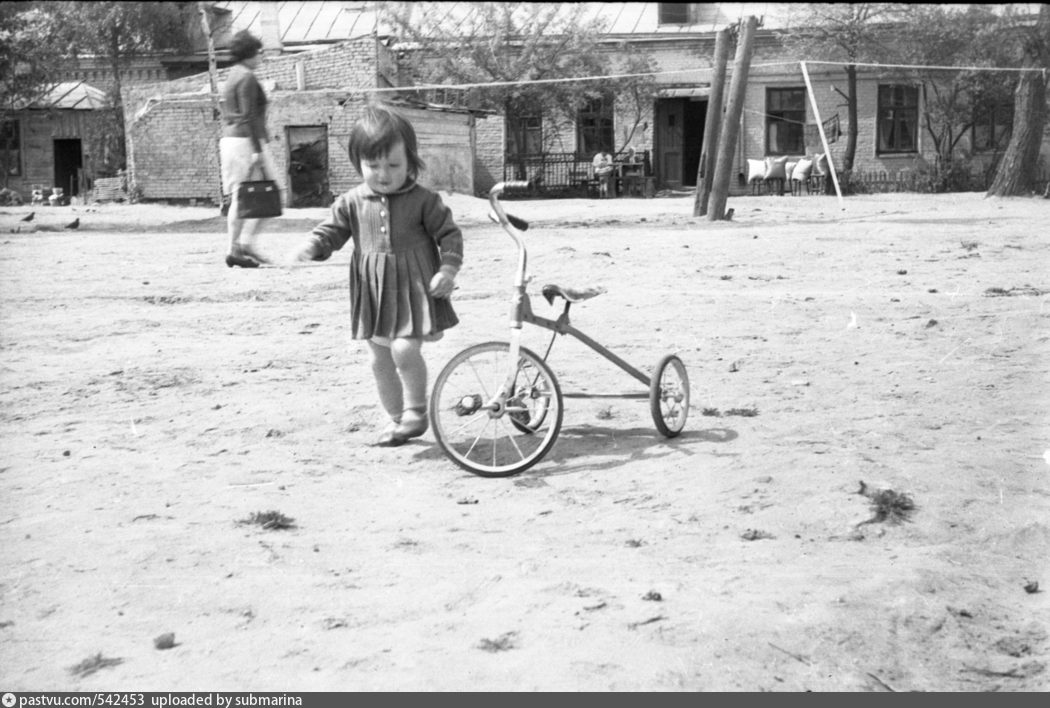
pixel 304 253
pixel 443 282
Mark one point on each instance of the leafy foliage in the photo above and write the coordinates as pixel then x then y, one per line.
pixel 510 44
pixel 847 32
pixel 936 35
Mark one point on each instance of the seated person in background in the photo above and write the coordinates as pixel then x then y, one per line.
pixel 603 170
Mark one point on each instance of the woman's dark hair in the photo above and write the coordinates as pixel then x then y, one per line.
pixel 244 45
pixel 377 131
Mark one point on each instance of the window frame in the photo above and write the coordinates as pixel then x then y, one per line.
pixel 794 118
pixel 595 127
pixel 15 169
pixel 894 116
pixel 533 135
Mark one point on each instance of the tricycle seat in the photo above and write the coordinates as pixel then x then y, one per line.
pixel 571 294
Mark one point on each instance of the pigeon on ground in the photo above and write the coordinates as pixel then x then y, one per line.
pixel 29 217
pixel 74 224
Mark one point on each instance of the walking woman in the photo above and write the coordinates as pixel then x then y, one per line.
pixel 244 147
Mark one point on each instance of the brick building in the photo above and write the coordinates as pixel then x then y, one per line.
pixel 173 128
pixel 323 57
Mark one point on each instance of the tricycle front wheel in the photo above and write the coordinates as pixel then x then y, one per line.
pixel 487 427
pixel 669 396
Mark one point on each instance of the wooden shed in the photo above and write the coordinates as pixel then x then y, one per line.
pixel 64 139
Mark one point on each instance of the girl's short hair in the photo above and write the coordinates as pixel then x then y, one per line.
pixel 244 45
pixel 378 130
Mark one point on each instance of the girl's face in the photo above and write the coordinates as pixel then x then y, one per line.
pixel 386 174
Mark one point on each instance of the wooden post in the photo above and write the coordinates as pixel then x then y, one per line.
pixel 213 82
pixel 712 124
pixel 823 135
pixel 731 124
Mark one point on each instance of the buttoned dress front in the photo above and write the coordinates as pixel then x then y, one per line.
pixel 400 241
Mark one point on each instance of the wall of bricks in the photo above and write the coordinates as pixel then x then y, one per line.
pixel 488 153
pixel 173 134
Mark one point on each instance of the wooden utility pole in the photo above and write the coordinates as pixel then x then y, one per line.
pixel 731 124
pixel 712 124
pixel 206 26
pixel 203 7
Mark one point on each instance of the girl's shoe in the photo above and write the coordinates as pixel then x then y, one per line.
pixel 387 438
pixel 413 424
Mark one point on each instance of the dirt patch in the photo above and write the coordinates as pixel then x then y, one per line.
pixel 152 398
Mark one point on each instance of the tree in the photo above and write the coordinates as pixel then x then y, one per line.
pixel 513 45
pixel 935 35
pixel 852 33
pixel 118 33
pixel 1017 170
pixel 33 48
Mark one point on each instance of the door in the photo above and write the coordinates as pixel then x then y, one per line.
pixel 670 119
pixel 68 162
pixel 694 121
pixel 308 166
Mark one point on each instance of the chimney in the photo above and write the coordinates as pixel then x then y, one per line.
pixel 270 27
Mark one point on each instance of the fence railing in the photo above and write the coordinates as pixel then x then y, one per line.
pixel 558 173
pixel 881 181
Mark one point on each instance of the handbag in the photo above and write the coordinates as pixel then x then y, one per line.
pixel 259 199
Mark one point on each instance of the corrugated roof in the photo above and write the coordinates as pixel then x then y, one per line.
pixel 317 21
pixel 307 21
pixel 72 95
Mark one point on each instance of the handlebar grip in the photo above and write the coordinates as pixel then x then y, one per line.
pixel 517 184
pixel 519 224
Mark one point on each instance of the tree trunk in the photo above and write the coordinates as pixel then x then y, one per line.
pixel 851 113
pixel 119 138
pixel 1016 174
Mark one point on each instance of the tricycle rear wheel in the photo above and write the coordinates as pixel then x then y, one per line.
pixel 669 396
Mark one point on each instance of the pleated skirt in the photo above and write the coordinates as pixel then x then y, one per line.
pixel 389 294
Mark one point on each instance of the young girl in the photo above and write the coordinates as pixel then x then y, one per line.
pixel 407 252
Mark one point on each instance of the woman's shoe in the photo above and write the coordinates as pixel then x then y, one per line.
pixel 240 261
pixel 249 252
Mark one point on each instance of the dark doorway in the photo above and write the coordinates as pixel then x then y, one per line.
pixel 308 166
pixel 695 120
pixel 679 138
pixel 68 162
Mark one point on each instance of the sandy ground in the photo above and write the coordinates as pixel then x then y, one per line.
pixel 152 400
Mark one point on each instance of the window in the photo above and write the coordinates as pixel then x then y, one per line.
pixel 673 13
pixel 594 127
pixel 785 121
pixel 992 123
pixel 11 148
pixel 524 135
pixel 898 124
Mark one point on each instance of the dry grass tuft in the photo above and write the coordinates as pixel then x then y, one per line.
pixel 269 520
pixel 887 505
pixel 92 664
